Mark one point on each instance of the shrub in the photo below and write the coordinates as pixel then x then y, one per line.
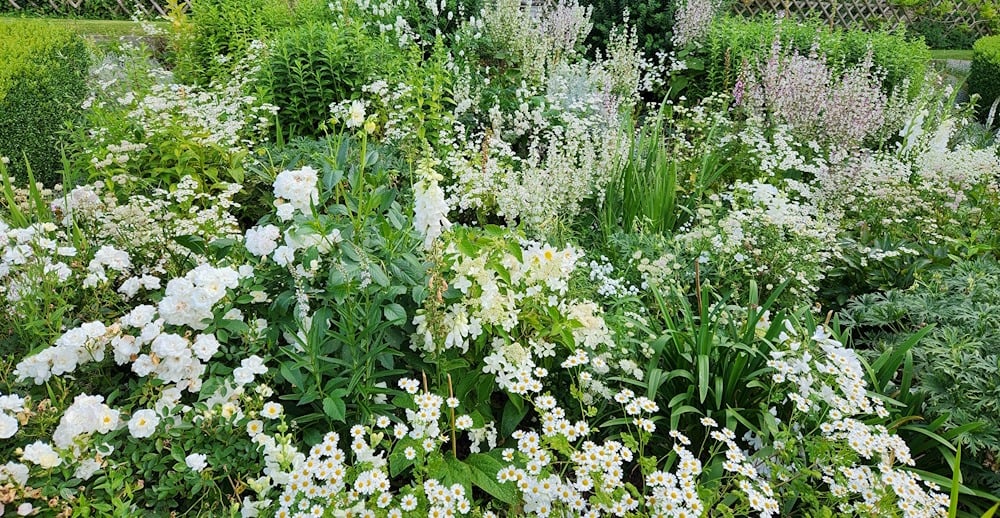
pixel 732 41
pixel 653 20
pixel 315 65
pixel 226 28
pixel 984 75
pixel 941 34
pixel 42 84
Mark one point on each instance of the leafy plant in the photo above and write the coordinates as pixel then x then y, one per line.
pixel 348 349
pixel 954 367
pixel 43 73
pixel 709 359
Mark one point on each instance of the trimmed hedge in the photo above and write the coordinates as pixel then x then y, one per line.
pixel 43 82
pixel 732 40
pixel 984 74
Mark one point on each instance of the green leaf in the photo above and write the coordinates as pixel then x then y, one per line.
pixel 195 244
pixel 395 314
pixel 484 470
pixel 335 409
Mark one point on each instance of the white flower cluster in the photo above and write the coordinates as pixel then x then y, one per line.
pixel 602 272
pixel 188 301
pixel 769 235
pixel 951 174
pixel 827 379
pixel 106 257
pixel 593 481
pixel 569 146
pixel 75 347
pixel 326 479
pixel 430 210
pixel 296 190
pixel 10 406
pixel 493 299
pixel 41 454
pixel 87 415
pixel 25 251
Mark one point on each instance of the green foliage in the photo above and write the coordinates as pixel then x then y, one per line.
pixel 955 367
pixel 942 34
pixel 227 27
pixel 652 20
pixel 317 64
pixel 984 74
pixel 351 348
pixel 709 359
pixel 731 41
pixel 42 85
pixel 657 186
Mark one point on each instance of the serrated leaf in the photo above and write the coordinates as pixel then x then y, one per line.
pixel 335 409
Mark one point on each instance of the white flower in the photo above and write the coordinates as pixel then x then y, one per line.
pixel 42 454
pixel 8 426
pixel 356 114
pixel 205 346
pixel 271 410
pixel 261 241
pixel 86 469
pixel 143 423
pixel 196 461
pixel 284 255
pixel 299 187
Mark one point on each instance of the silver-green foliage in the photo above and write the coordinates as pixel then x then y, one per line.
pixel 957 364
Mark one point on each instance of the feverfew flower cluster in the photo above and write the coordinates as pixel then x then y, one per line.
pixel 556 479
pixel 328 478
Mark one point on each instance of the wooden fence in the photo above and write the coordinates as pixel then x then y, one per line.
pixel 123 7
pixel 869 14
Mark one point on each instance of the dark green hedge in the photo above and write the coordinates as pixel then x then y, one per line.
pixel 984 74
pixel 43 73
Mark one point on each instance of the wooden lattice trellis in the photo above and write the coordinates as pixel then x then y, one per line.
pixel 125 7
pixel 869 14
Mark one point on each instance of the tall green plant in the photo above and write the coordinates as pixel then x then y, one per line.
pixel 655 187
pixel 710 359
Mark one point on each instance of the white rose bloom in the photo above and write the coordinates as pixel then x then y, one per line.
pixel 143 423
pixel 196 461
pixel 8 426
pixel 42 454
pixel 261 241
